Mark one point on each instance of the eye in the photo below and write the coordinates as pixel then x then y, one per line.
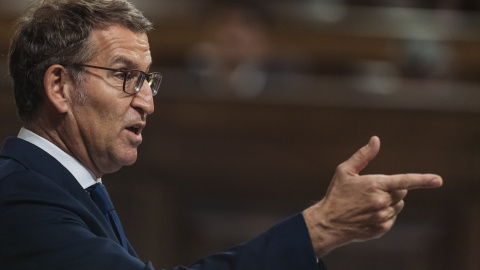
pixel 120 75
pixel 129 75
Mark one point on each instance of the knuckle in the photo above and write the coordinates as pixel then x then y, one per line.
pixel 376 218
pixel 384 228
pixel 399 206
pixel 380 217
pixel 385 215
pixel 373 186
pixel 379 203
pixel 342 168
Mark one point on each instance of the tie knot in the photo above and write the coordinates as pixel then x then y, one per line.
pixel 100 197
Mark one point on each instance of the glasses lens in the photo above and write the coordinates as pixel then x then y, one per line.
pixel 131 80
pixel 139 78
pixel 135 80
pixel 154 81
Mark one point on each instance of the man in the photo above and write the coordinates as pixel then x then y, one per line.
pixel 83 93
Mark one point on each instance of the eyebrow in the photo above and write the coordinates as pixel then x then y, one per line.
pixel 127 62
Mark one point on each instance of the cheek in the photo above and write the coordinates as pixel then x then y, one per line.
pixel 120 150
pixel 107 127
pixel 100 122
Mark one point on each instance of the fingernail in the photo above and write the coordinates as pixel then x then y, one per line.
pixel 436 181
pixel 370 143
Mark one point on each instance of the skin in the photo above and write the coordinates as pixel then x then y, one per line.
pixel 103 129
pixel 360 207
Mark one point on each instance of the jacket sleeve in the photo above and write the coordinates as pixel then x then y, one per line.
pixel 286 246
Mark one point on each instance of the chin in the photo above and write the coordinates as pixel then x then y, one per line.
pixel 119 164
pixel 129 161
pixel 126 159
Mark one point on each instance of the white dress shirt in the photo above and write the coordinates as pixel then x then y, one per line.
pixel 83 175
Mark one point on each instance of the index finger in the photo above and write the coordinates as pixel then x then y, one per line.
pixel 412 181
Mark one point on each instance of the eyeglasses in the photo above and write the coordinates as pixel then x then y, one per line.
pixel 133 79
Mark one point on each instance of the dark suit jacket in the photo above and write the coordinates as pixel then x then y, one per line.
pixel 47 221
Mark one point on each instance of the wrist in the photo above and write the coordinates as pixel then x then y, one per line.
pixel 325 237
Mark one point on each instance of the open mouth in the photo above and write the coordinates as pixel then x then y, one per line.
pixel 135 130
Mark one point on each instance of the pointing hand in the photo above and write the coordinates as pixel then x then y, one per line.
pixel 360 207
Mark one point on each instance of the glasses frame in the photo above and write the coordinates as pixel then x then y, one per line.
pixel 140 80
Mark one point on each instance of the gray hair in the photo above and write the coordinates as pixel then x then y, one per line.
pixel 56 32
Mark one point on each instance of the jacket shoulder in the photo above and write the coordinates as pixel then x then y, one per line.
pixel 9 166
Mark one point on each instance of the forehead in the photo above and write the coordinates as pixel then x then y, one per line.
pixel 118 44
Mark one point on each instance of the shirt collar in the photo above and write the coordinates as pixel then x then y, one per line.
pixel 83 175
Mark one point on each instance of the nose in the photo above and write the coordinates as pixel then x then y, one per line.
pixel 143 99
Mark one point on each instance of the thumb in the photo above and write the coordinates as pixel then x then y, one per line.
pixel 363 156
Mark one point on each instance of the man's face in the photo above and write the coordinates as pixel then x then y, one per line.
pixel 104 127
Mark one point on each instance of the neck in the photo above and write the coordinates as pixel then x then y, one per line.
pixel 55 131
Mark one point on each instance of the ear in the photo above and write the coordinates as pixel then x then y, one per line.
pixel 57 87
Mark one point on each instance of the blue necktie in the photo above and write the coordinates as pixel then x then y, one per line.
pixel 99 195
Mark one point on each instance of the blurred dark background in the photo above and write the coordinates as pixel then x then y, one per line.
pixel 261 101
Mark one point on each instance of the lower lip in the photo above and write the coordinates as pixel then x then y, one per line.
pixel 135 138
